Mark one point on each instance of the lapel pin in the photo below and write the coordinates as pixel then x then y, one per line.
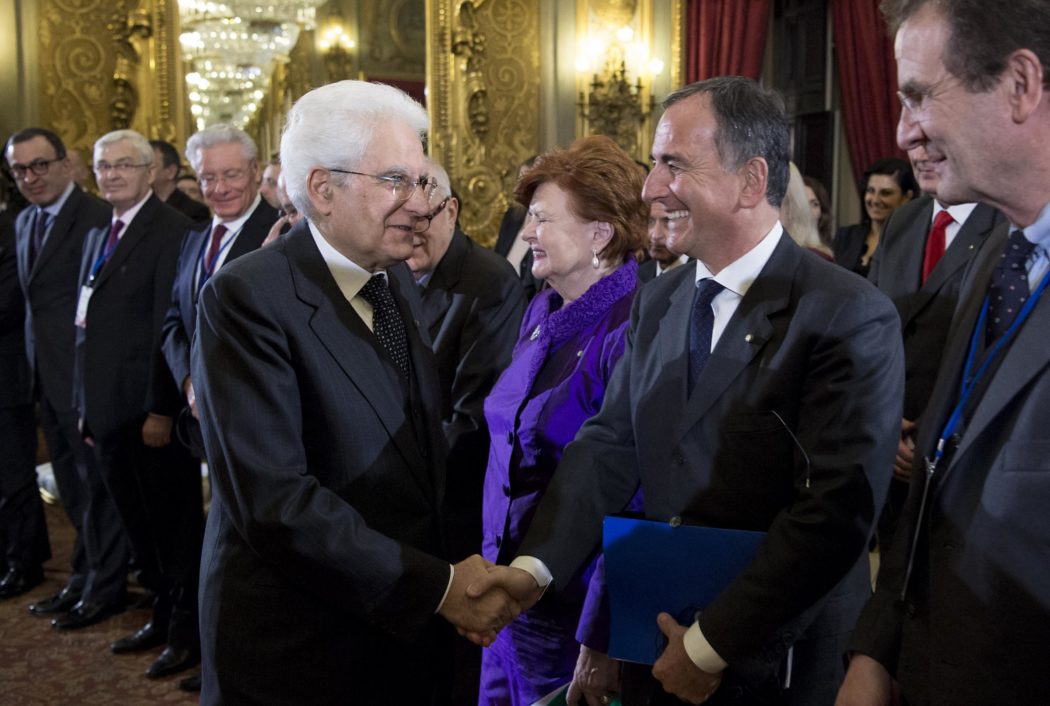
pixel 748 338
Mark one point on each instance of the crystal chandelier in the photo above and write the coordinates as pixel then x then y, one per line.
pixel 230 49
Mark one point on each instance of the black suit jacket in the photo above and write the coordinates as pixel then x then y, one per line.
pixel 978 600
pixel 180 322
pixel 15 388
pixel 120 373
pixel 192 209
pixel 472 307
pixel 925 309
pixel 50 289
pixel 810 342
pixel 320 563
pixel 848 246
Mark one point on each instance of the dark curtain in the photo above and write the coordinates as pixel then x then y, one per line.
pixel 725 38
pixel 868 76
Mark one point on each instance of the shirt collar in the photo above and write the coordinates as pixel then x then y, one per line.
pixel 349 276
pixel 660 269
pixel 236 224
pixel 128 216
pixel 739 275
pixel 1039 232
pixel 959 212
pixel 55 206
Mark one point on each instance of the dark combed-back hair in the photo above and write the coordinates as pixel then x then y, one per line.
pixel 983 33
pixel 603 184
pixel 29 133
pixel 751 123
pixel 169 156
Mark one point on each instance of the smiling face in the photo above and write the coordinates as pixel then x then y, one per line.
pixel 955 129
pixel 122 187
pixel 359 215
pixel 562 243
pixel 39 189
pixel 700 197
pixel 229 179
pixel 882 197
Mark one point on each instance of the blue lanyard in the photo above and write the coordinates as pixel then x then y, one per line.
pixel 218 253
pixel 101 260
pixel 970 379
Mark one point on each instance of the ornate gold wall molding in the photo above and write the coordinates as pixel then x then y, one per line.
pixel 109 64
pixel 483 69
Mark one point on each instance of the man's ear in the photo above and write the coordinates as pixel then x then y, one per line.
pixel 755 175
pixel 320 190
pixel 1024 74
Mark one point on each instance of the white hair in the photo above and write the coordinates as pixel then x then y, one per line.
pixel 795 215
pixel 218 134
pixel 138 141
pixel 438 174
pixel 332 127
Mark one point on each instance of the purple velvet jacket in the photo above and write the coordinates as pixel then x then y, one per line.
pixel 555 382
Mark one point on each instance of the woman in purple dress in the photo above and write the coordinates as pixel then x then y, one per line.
pixel 586 222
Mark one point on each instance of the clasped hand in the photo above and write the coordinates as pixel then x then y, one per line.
pixel 484 598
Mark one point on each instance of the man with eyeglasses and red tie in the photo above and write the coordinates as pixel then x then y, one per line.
pixel 125 394
pixel 49 236
pixel 326 576
pixel 226 161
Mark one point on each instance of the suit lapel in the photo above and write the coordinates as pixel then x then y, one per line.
pixel 353 347
pixel 672 337
pixel 449 271
pixel 966 241
pixel 134 233
pixel 746 333
pixel 971 298
pixel 253 232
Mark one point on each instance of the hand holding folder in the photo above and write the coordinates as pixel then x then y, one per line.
pixel 653 567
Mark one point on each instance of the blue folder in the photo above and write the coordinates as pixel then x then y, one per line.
pixel 653 567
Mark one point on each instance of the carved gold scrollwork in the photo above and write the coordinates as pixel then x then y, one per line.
pixel 483 76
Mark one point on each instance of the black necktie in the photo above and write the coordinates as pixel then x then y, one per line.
pixel 36 244
pixel 700 325
pixel 1008 290
pixel 387 323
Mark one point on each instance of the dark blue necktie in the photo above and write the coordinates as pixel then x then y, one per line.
pixel 387 323
pixel 36 244
pixel 1008 290
pixel 700 325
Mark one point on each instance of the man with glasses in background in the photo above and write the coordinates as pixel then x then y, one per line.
pixel 324 568
pixel 49 237
pixel 125 394
pixel 225 158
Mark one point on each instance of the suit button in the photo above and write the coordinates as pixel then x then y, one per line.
pixel 506 490
pixel 677 458
pixel 675 521
pixel 909 608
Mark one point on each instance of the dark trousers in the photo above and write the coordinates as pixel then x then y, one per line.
pixel 69 457
pixel 157 493
pixel 23 531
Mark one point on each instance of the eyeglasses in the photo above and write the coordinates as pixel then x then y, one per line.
pixel 400 186
pixel 37 166
pixel 230 176
pixel 918 101
pixel 120 168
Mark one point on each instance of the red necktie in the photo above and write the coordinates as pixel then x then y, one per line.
pixel 213 249
pixel 935 243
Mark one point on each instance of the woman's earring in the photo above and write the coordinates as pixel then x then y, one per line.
pixel 595 262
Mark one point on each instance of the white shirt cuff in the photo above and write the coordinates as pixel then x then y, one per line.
pixel 451 575
pixel 535 568
pixel 701 652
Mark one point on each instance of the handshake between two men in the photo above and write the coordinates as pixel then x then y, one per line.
pixel 485 597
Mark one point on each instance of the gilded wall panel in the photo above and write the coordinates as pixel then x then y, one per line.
pixel 109 64
pixel 483 77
